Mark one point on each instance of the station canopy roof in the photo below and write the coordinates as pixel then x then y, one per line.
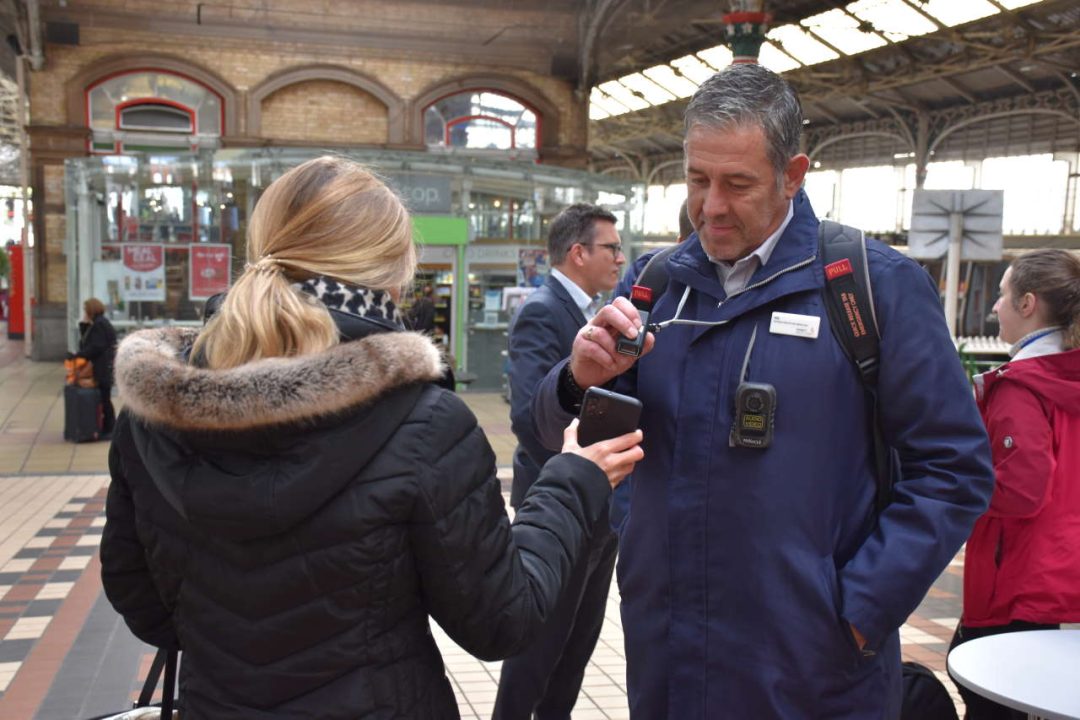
pixel 842 31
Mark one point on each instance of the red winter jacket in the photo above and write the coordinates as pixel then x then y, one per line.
pixel 1023 557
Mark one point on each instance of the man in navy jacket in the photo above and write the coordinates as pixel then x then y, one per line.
pixel 586 256
pixel 760 582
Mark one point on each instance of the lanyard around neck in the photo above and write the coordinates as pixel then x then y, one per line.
pixel 1037 335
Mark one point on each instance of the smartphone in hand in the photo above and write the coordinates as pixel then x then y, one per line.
pixel 606 414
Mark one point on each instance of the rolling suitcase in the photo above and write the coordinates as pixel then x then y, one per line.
pixel 83 414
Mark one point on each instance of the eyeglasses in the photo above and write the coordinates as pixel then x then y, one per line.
pixel 615 248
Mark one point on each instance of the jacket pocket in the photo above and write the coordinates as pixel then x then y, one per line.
pixel 848 652
pixel 982 565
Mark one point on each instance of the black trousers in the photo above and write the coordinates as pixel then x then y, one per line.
pixel 544 681
pixel 107 411
pixel 979 707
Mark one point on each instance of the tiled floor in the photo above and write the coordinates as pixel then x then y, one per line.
pixel 65 654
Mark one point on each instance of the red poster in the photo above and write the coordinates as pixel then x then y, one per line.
pixel 211 270
pixel 143 273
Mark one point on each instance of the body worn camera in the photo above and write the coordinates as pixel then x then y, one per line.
pixel 755 414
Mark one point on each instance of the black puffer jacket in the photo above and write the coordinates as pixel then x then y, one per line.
pixel 97 343
pixel 291 524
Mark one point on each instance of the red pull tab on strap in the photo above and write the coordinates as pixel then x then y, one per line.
pixel 642 295
pixel 838 269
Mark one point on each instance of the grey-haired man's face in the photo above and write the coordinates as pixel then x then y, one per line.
pixel 733 197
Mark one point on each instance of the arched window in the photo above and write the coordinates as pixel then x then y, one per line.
pixel 480 120
pixel 155 115
pixel 152 109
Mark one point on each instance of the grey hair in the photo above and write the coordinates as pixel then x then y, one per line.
pixel 748 94
pixel 576 224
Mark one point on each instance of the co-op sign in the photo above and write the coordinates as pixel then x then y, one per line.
pixel 423 193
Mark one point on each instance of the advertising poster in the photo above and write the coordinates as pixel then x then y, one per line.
pixel 143 274
pixel 211 270
pixel 532 267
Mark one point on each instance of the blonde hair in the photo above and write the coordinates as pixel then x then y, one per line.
pixel 328 216
pixel 1054 276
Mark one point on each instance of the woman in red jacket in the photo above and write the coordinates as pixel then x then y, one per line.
pixel 1022 564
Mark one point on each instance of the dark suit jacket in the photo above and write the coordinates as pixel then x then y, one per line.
pixel 541 335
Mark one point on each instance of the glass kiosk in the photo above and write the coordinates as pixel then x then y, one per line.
pixel 155 235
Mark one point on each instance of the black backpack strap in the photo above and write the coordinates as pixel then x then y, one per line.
pixel 654 275
pixel 168 686
pixel 849 301
pixel 152 678
pixel 167 660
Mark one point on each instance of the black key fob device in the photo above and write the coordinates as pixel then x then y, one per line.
pixel 641 298
pixel 626 346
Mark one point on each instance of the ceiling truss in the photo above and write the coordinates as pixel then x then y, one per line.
pixel 1019 64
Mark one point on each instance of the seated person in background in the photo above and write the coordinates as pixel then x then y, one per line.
pixel 292 498
pixel 1022 564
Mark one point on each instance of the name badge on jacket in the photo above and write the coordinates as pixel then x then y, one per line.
pixel 804 326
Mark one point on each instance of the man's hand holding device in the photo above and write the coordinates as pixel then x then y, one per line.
pixel 606 433
pixel 642 299
pixel 595 359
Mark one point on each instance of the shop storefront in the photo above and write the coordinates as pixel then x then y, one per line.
pixel 154 234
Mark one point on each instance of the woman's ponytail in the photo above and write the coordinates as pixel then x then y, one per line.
pixel 1072 330
pixel 263 316
pixel 327 217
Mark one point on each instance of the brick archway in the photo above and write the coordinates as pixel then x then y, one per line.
pixel 395 107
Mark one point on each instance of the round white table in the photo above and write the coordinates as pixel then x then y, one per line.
pixel 1035 671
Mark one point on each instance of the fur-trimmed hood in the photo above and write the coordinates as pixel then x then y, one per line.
pixel 255 450
pixel 158 386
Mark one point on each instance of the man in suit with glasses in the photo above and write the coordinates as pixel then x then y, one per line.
pixel 586 258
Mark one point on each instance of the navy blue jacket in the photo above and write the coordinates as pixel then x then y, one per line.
pixel 741 569
pixel 541 335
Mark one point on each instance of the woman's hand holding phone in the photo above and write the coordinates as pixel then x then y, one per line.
pixel 616 457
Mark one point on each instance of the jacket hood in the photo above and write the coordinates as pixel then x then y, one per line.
pixel 1054 378
pixel 157 386
pixel 254 450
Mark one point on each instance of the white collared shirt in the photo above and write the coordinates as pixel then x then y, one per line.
pixel 587 305
pixel 735 275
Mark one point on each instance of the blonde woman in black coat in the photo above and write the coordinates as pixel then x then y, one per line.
pixel 293 499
